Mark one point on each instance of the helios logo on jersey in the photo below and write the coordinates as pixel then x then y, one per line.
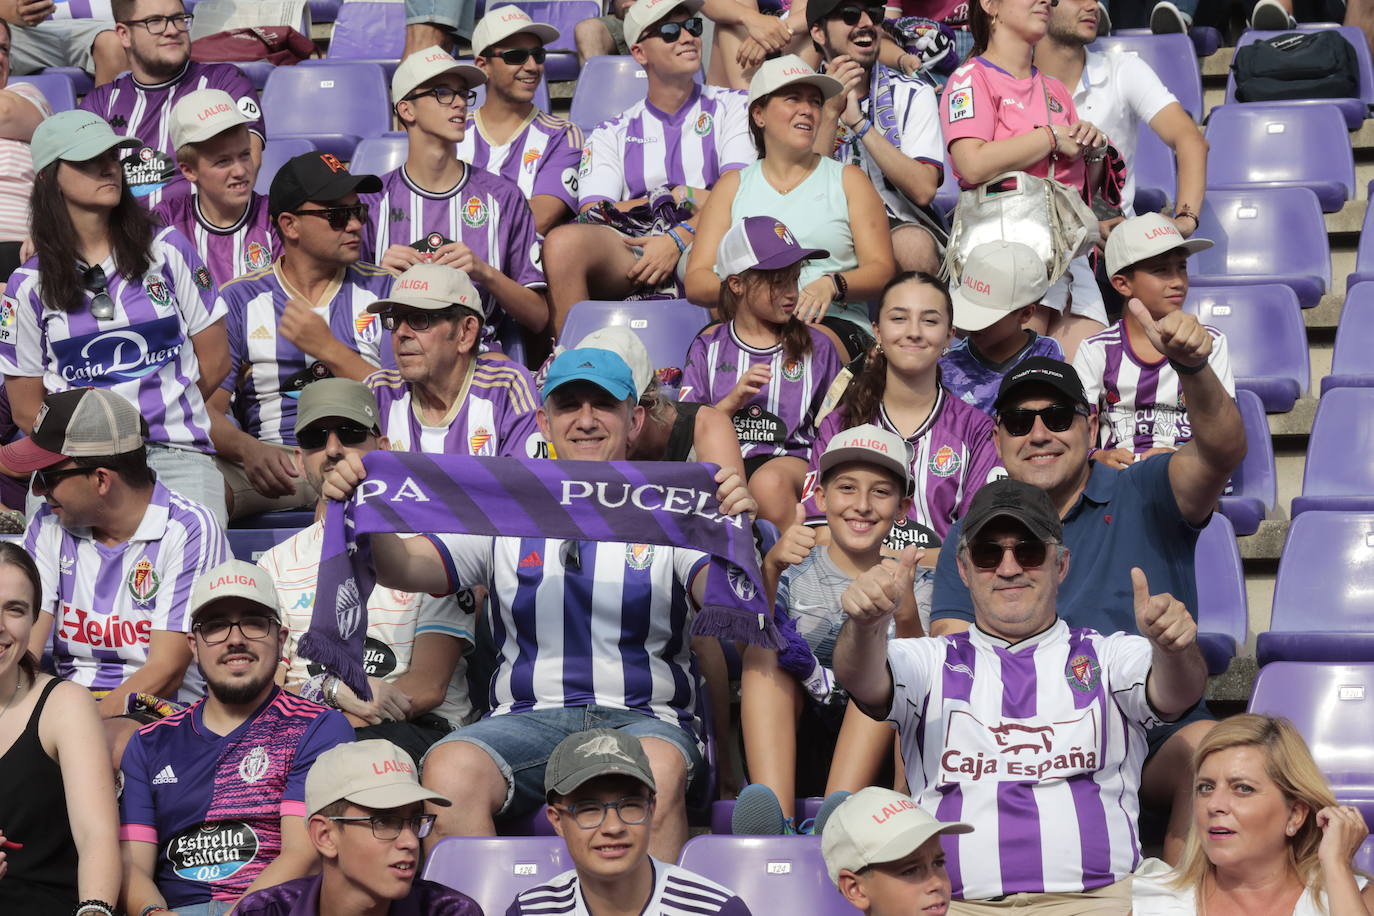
pixel 650 496
pixel 1019 750
pixel 103 632
pixel 111 357
pixel 212 852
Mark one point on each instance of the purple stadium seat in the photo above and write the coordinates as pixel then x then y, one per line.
pixel 274 154
pixel 771 874
pixel 1322 611
pixel 1172 57
pixel 947 196
pixel 1352 364
pixel 1222 611
pixel 1364 859
pixel 379 155
pixel 1364 253
pixel 1205 39
pixel 80 78
pixel 1254 485
pixel 1156 175
pixel 1265 338
pixel 665 326
pixel 1354 110
pixel 248 544
pixel 492 870
pixel 536 823
pixel 1339 475
pixel 563 15
pixel 57 88
pixel 1330 706
pixel 368 30
pixel 292 520
pixel 607 86
pixel 257 71
pixel 1271 235
pixel 1277 146
pixel 322 11
pixel 334 104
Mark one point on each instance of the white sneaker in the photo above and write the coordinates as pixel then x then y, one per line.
pixel 1167 19
pixel 1270 16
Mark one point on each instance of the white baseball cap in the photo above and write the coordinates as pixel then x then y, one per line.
pixel 427 63
pixel 234 579
pixel 789 70
pixel 626 344
pixel 1145 236
pixel 202 114
pixel 999 278
pixel 874 826
pixel 432 287
pixel 503 22
pixel 646 12
pixel 371 774
pixel 872 445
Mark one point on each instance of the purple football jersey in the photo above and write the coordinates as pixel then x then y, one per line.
pixel 544 157
pixel 248 245
pixel 974 380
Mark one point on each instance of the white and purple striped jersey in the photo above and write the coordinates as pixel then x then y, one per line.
pixel 952 457
pixel 1038 745
pixel 249 244
pixel 107 601
pixel 494 415
pixel 267 372
pixel 974 379
pixel 82 9
pixel 1140 405
pixel 141 111
pixel 677 892
pixel 145 352
pixel 544 157
pixel 781 418
pixel 585 623
pixel 645 148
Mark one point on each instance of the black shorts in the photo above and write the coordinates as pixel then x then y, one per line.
pixel 1155 737
pixel 753 464
pixel 855 339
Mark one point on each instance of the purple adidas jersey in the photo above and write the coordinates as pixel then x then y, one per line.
pixel 212 804
pixel 494 416
pixel 974 380
pixel 248 245
pixel 952 457
pixel 137 110
pixel 145 352
pixel 781 418
pixel 544 156
pixel 266 371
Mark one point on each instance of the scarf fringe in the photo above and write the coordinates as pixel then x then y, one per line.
pixel 337 660
pixel 738 625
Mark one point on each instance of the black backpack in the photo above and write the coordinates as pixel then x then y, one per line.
pixel 1299 65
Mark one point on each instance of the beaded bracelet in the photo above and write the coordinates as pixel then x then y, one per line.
pixel 94 906
pixel 154 908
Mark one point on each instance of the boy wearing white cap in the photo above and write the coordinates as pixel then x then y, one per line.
pixel 884 854
pixel 1135 389
pixel 508 135
pixel 224 218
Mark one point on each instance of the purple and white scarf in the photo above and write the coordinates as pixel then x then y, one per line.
pixel 644 502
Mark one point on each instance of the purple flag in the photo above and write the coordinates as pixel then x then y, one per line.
pixel 642 502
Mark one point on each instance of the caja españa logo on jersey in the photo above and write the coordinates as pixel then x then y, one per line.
pixel 144 581
pixel 944 462
pixel 474 212
pixel 212 852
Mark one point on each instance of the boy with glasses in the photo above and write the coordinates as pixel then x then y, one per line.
pixel 437 209
pixel 601 798
pixel 214 796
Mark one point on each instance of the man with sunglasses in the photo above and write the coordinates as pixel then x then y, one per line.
pixel 437 209
pixel 303 319
pixel 444 396
pixel 366 817
pixel 601 796
pixel 156 34
pixel 1028 729
pixel 214 795
pixel 508 135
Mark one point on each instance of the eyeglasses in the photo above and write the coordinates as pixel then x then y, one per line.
pixel 445 95
pixel 418 319
pixel 93 280
pixel 338 217
pixel 850 15
pixel 252 626
pixel 589 815
pixel 517 56
pixel 46 480
pixel 157 25
pixel 389 826
pixel 672 31
pixel 314 437
pixel 1058 417
pixel 989 554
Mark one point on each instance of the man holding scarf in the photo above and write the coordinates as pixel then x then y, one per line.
pixel 590 633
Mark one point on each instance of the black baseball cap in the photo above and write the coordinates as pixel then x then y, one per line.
pixel 315 176
pixel 1025 502
pixel 820 9
pixel 1041 370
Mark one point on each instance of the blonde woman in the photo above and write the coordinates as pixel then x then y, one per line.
pixel 1268 837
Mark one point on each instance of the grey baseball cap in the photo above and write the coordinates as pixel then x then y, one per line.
pixel 596 752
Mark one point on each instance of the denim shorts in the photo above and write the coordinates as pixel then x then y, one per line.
pixel 520 744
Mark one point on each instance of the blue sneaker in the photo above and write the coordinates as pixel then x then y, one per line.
pixel 832 801
pixel 758 813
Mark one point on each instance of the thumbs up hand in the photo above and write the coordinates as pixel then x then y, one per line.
pixel 1162 619
pixel 879 592
pixel 795 544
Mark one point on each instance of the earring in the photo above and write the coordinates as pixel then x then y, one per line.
pixel 1291 831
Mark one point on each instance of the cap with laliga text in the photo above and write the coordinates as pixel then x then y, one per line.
pixel 874 826
pixel 602 368
pixel 203 114
pixel 872 445
pixel 1025 502
pixel 1142 237
pixel 372 774
pixel 77 423
pixel 234 579
pixel 1042 370
pixel 790 70
pixel 316 176
pixel 427 63
pixel 502 22
pixel 344 398
pixel 431 287
pixel 645 13
pixel 596 752
pixel 999 278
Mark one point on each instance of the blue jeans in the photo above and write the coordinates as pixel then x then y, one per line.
pixel 520 744
pixel 209 908
pixel 455 15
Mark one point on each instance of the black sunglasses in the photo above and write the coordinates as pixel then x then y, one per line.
pixel 672 31
pixel 989 554
pixel 517 56
pixel 45 480
pixel 338 217
pixel 418 319
pixel 445 95
pixel 850 15
pixel 93 280
pixel 313 437
pixel 1058 417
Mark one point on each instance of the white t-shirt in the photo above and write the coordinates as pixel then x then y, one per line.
pixel 1153 895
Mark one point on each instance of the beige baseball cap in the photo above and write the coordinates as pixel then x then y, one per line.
pixel 337 397
pixel 427 63
pixel 1145 236
pixel 789 70
pixel 872 445
pixel 234 579
pixel 999 278
pixel 626 343
pixel 503 22
pixel 77 423
pixel 874 826
pixel 645 13
pixel 202 114
pixel 371 774
pixel 431 287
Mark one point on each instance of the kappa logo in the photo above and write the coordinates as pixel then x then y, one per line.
pixel 604 746
pixel 254 765
pixel 165 777
pixel 119 121
pixel 260 333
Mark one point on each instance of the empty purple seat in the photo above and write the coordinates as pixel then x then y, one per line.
pixel 81 80
pixel 1364 253
pixel 536 823
pixel 1254 485
pixel 248 544
pixel 333 104
pixel 607 86
pixel 292 520
pixel 274 154
pixel 1353 110
pixel 1277 146
pixel 1271 235
pixel 366 30
pixel 324 10
pixel 379 155
pixel 492 870
pixel 1322 610
pixel 1156 175
pixel 1173 59
pixel 563 15
pixel 1339 475
pixel 783 874
pixel 666 326
pixel 1222 611
pixel 1205 39
pixel 57 88
pixel 1265 338
pixel 1352 363
pixel 257 71
pixel 1330 706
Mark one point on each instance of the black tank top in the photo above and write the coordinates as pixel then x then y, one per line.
pixel 33 810
pixel 681 440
